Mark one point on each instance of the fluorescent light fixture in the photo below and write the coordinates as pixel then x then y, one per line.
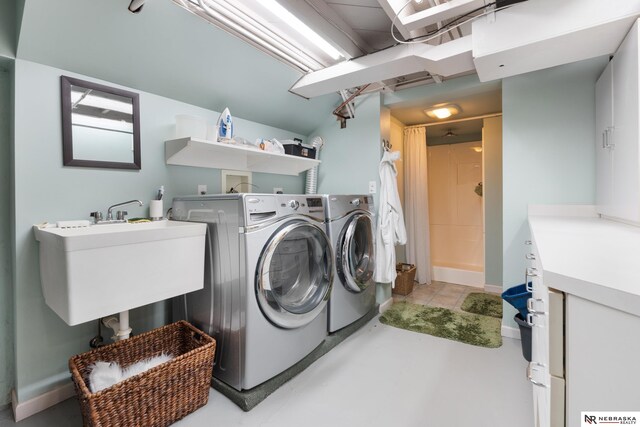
pixel 241 21
pixel 290 19
pixel 100 102
pixel 442 111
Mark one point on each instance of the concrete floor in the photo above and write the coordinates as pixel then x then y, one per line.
pixel 380 376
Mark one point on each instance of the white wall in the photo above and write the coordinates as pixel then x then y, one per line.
pixel 47 191
pixel 548 150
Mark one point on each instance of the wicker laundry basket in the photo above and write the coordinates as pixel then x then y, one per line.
pixel 406 274
pixel 157 397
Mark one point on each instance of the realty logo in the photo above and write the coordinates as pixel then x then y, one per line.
pixel 611 417
pixel 590 419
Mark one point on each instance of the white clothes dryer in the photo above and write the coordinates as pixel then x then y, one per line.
pixel 350 225
pixel 268 275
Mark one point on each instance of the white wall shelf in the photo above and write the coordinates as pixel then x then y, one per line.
pixel 209 154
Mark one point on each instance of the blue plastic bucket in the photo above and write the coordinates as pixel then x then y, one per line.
pixel 517 296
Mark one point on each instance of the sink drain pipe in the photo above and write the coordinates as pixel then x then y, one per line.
pixel 121 328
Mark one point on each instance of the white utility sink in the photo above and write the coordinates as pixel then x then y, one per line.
pixel 92 272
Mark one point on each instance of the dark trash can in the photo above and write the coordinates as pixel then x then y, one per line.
pixel 525 336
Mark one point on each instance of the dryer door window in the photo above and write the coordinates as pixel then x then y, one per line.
pixel 294 275
pixel 355 254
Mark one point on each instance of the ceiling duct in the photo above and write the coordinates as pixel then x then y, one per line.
pixel 447 59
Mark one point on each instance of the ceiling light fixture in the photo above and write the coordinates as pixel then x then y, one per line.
pixel 442 111
pixel 290 19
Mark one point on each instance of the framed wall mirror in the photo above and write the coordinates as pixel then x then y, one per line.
pixel 100 125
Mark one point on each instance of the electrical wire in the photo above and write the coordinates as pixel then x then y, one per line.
pixel 449 26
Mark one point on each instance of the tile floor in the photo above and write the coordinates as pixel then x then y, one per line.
pixel 438 294
pixel 380 376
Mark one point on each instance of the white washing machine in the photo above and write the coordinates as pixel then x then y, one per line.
pixel 350 225
pixel 268 275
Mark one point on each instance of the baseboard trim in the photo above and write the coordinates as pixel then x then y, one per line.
pixel 458 276
pixel 494 289
pixel 385 305
pixel 22 410
pixel 510 332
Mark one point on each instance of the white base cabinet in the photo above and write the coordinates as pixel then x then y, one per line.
pixel 602 350
pixel 546 369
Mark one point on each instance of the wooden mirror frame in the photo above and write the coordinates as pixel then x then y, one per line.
pixel 67 134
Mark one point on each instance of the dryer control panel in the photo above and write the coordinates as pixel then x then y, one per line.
pixel 340 205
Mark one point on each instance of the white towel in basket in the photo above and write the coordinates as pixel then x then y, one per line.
pixel 106 374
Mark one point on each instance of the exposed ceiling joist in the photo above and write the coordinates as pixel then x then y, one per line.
pixel 401 9
pixel 325 21
pixel 446 59
pixel 439 13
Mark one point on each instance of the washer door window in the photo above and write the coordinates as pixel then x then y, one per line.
pixel 355 254
pixel 294 275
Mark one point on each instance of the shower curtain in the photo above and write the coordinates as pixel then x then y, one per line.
pixel 417 202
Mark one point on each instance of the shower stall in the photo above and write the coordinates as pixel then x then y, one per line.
pixel 456 213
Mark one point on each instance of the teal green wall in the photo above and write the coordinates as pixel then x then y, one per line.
pixel 8 19
pixel 350 156
pixel 492 194
pixel 548 150
pixel 168 51
pixel 47 191
pixel 6 293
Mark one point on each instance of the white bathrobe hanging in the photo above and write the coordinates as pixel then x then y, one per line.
pixel 391 230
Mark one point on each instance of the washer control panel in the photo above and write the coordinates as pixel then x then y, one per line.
pixel 302 204
pixel 294 204
pixel 263 207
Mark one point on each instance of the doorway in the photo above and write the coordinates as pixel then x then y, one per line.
pixel 464 183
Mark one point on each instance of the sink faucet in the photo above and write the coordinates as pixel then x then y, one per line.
pixel 120 215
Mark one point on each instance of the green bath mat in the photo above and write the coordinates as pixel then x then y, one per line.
pixel 483 331
pixel 485 304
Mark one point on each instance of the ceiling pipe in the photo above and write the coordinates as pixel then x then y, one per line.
pixel 340 116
